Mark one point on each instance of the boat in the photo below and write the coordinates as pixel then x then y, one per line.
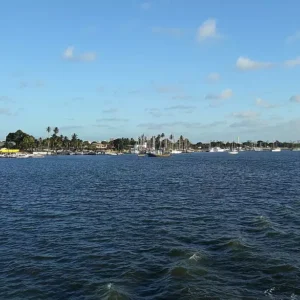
pixel 22 155
pixel 234 151
pixel 159 153
pixel 217 149
pixel 141 155
pixel 175 151
pixel 190 151
pixel 275 148
pixel 296 149
pixel 152 154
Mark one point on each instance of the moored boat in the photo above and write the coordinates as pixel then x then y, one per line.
pixel 159 155
pixel 234 151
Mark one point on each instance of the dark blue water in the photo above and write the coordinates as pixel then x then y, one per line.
pixel 194 226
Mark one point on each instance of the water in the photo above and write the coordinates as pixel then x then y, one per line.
pixel 194 226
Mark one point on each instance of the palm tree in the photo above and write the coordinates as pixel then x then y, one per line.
pixel 171 139
pixel 66 142
pixel 74 140
pixel 180 142
pixel 56 131
pixel 162 138
pixel 158 142
pixel 40 142
pixel 54 136
pixel 48 129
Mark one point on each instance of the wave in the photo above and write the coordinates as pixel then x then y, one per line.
pixel 262 222
pixel 279 269
pixel 113 292
pixel 179 271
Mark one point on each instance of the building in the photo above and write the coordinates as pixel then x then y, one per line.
pixel 5 150
pixel 99 145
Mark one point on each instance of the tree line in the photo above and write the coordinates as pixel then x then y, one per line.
pixel 56 141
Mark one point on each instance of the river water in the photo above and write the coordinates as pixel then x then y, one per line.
pixel 192 226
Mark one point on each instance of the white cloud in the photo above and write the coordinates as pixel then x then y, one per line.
pixel 295 98
pixel 246 64
pixel 145 5
pixel 213 77
pixel 179 125
pixel 134 92
pixel 225 94
pixel 154 112
pixel 293 62
pixel 182 96
pixel 263 103
pixel 69 54
pixel 5 112
pixel 5 99
pixel 172 31
pixel 23 84
pixel 71 127
pixel 249 124
pixel 246 114
pixel 39 83
pixel 110 110
pixel 208 30
pixel 182 108
pixel 247 119
pixel 165 89
pixel 112 120
pixel 293 38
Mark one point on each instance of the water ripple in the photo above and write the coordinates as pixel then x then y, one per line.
pixel 195 226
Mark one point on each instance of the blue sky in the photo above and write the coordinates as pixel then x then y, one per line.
pixel 205 69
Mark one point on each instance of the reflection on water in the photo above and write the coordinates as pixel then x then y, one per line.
pixel 194 226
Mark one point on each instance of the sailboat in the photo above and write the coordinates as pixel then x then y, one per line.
pixel 275 149
pixel 158 153
pixel 233 150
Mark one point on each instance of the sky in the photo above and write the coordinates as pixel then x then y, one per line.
pixel 208 70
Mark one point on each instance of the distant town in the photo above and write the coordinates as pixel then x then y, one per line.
pixel 56 143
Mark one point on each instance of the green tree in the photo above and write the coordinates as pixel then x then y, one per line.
pixel 48 129
pixel 28 143
pixel 74 140
pixel 14 139
pixel 66 142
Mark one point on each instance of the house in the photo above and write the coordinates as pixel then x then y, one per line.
pixel 99 145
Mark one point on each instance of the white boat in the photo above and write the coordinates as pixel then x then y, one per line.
pixel 23 155
pixel 258 149
pixel 296 149
pixel 176 151
pixel 275 148
pixel 38 156
pixel 234 151
pixel 79 153
pixel 217 149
